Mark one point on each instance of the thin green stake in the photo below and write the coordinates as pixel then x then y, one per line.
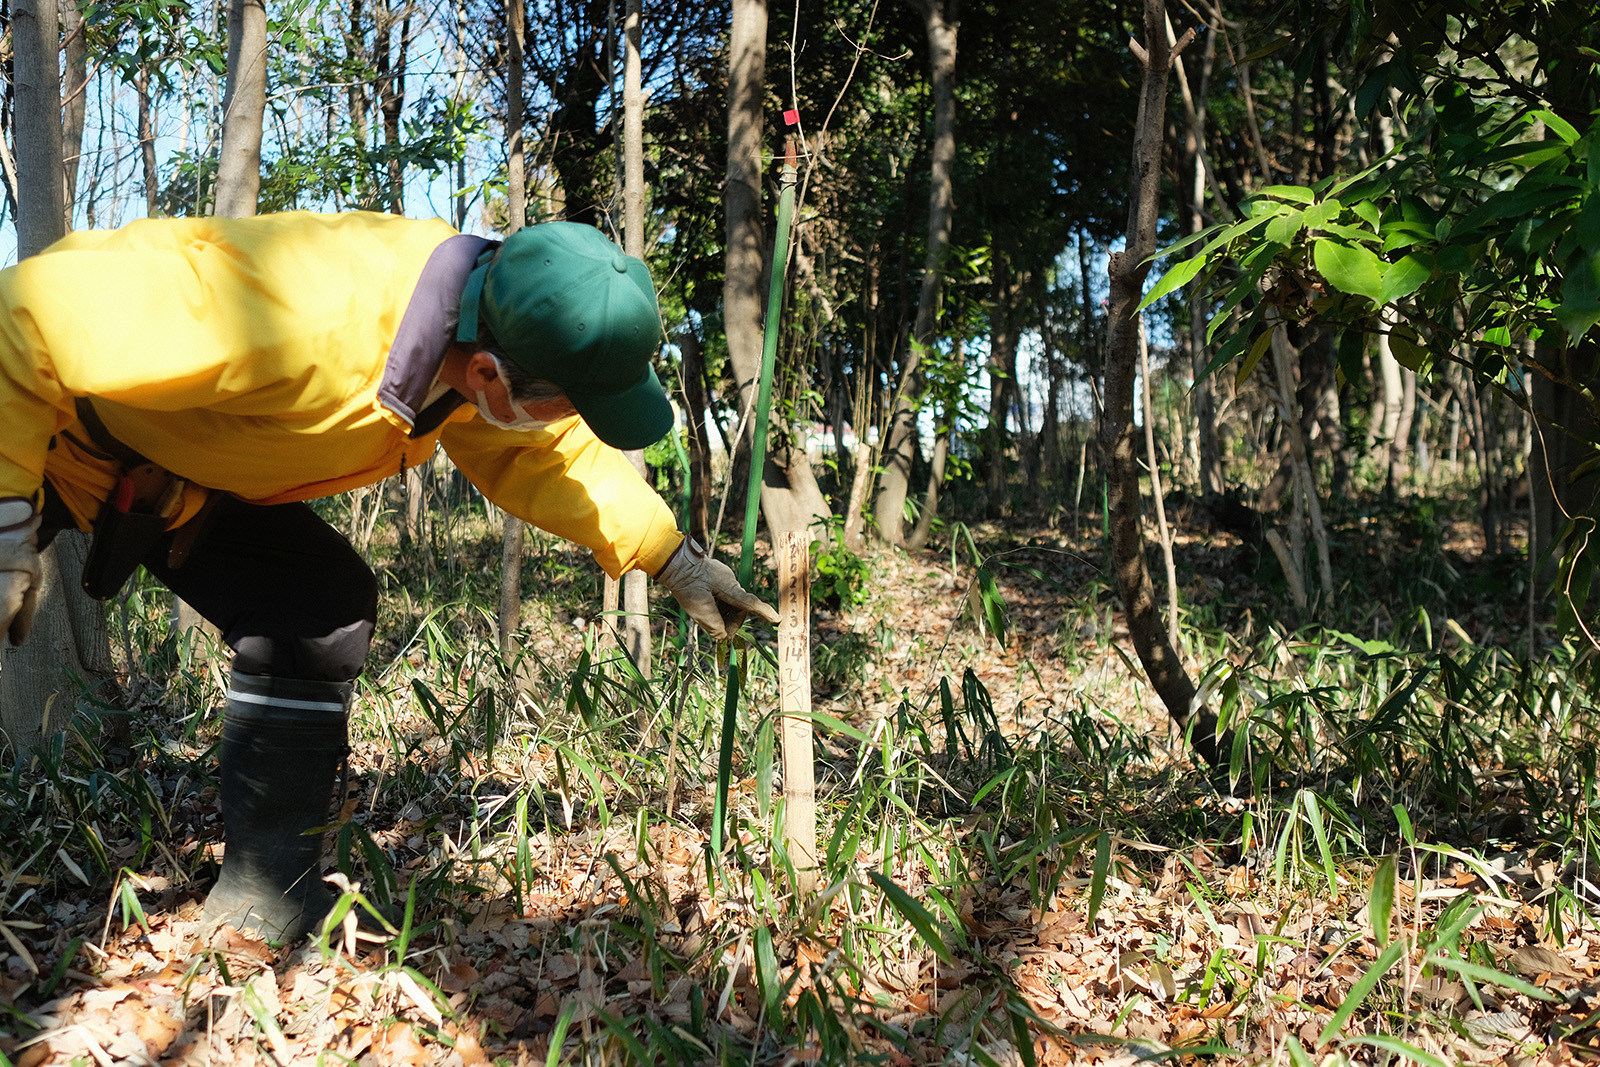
pixel 758 460
pixel 769 359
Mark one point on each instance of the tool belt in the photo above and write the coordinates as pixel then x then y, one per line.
pixel 134 518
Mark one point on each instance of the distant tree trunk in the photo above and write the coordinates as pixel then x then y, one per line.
pixel 75 101
pixel 356 99
pixel 391 85
pixel 940 24
pixel 1002 385
pixel 694 392
pixel 239 162
pixel 147 142
pixel 1118 445
pixel 511 532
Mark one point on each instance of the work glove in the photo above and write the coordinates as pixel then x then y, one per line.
pixel 19 567
pixel 708 591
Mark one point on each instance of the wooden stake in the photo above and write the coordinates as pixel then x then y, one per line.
pixel 794 696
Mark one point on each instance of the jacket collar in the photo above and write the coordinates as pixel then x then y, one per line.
pixel 425 332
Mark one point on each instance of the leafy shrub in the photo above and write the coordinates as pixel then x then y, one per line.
pixel 840 580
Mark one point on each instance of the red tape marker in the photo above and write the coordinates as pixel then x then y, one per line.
pixel 791 117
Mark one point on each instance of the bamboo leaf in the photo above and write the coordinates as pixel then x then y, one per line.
pixel 1102 871
pixel 912 912
pixel 1380 904
pixel 1363 986
pixel 1313 811
pixel 1399 1048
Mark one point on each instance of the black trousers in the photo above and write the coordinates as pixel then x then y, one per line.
pixel 290 595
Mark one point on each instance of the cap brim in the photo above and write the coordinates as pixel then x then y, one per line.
pixel 633 418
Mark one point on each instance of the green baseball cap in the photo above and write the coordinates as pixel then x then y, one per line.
pixel 567 305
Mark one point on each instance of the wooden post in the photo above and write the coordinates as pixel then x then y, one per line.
pixel 794 696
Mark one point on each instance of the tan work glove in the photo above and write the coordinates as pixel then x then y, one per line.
pixel 19 567
pixel 708 591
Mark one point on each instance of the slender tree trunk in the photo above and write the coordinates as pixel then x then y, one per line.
pixel 694 393
pixel 1386 413
pixel 356 98
pixel 37 687
pixel 244 102
pixel 391 63
pixel 147 143
pixel 940 24
pixel 511 532
pixel 635 584
pixel 1002 386
pixel 790 496
pixel 76 99
pixel 1118 447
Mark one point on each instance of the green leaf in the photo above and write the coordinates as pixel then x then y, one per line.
pixel 1101 871
pixel 912 912
pixel 1580 295
pixel 1283 228
pixel 1405 277
pixel 1397 1047
pixel 1489 976
pixel 1297 193
pixel 1313 812
pixel 767 973
pixel 1407 349
pixel 1349 268
pixel 1556 124
pixel 1359 991
pixel 1380 905
pixel 1180 275
pixel 1257 350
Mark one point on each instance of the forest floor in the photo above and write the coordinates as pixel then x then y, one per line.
pixel 597 933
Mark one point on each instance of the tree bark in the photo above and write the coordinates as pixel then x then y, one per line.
pixel 37 687
pixel 789 491
pixel 243 103
pixel 75 99
pixel 1127 271
pixel 511 531
pixel 694 393
pixel 940 25
pixel 147 143
pixel 635 584
pixel 391 85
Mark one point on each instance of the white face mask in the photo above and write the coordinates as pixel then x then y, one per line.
pixel 520 419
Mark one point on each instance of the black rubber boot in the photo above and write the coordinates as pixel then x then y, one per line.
pixel 283 741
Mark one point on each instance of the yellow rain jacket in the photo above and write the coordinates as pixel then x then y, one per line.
pixel 281 358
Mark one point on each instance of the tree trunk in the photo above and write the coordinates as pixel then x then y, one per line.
pixel 76 99
pixel 37 687
pixel 511 531
pixel 1128 269
pixel 635 584
pixel 391 85
pixel 239 162
pixel 940 24
pixel 1002 386
pixel 147 143
pixel 789 491
pixel 1386 418
pixel 693 374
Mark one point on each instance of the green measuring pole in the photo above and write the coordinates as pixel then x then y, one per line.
pixel 758 459
pixel 769 359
